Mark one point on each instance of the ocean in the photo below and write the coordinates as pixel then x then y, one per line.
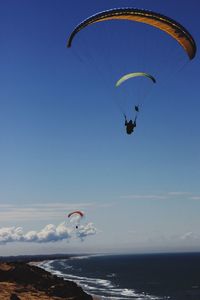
pixel 141 277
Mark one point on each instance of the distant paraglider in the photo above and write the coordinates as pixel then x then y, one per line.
pixel 75 217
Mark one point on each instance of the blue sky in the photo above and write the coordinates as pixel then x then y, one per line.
pixel 63 143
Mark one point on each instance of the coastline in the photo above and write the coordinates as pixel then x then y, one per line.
pixel 25 280
pixel 38 263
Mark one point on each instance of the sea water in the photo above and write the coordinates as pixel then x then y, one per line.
pixel 141 277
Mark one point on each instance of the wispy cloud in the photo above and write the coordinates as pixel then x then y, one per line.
pixel 179 193
pixel 6 206
pixel 62 205
pixel 162 196
pixel 50 233
pixel 195 198
pixel 186 238
pixel 144 196
pixel 189 236
pixel 38 212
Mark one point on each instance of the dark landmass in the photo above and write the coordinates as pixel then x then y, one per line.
pixel 41 257
pixel 21 281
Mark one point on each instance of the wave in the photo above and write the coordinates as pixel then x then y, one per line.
pixel 92 285
pixel 87 256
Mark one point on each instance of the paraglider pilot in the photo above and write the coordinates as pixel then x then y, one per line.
pixel 130 125
pixel 137 108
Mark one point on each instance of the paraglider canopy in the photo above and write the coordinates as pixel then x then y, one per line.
pixel 76 212
pixel 168 25
pixel 132 75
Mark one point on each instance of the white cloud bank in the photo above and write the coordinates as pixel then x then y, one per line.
pixel 50 233
pixel 190 236
pixel 84 231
